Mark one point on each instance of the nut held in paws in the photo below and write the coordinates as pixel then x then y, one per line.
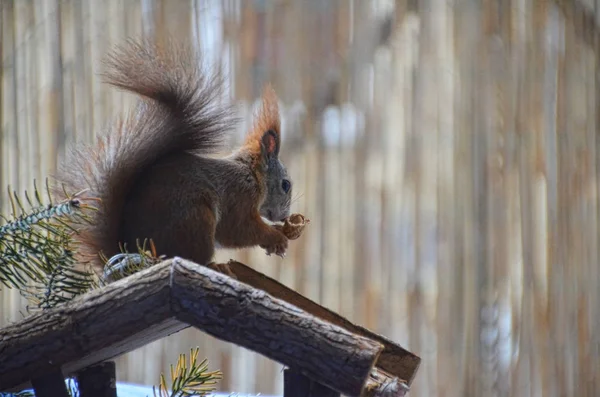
pixel 294 226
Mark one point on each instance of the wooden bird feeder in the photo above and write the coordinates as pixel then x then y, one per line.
pixel 325 354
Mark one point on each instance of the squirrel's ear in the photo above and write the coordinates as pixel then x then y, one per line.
pixel 264 138
pixel 270 143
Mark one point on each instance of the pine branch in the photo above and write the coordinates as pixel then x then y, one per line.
pixel 37 248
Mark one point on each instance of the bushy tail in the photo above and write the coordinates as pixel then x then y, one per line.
pixel 171 75
pixel 179 112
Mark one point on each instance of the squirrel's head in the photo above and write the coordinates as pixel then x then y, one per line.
pixel 264 142
pixel 278 197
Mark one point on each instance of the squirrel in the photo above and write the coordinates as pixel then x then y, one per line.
pixel 154 172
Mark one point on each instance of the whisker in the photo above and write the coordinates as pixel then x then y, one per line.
pixel 298 196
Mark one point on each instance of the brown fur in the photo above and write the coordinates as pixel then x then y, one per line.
pixel 151 172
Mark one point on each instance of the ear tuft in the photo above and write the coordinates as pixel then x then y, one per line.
pixel 264 138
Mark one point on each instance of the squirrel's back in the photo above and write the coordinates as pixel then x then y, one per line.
pixel 179 113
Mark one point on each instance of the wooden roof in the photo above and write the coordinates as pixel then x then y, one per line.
pixel 254 311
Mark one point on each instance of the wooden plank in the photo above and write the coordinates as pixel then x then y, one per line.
pixel 98 380
pixel 297 385
pixel 556 343
pixel 49 134
pixel 466 35
pixel 494 202
pixel 50 384
pixel 133 342
pixel 593 382
pixel 449 331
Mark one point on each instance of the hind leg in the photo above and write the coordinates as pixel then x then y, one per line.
pixel 199 246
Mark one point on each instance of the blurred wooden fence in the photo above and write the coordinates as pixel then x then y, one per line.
pixel 446 152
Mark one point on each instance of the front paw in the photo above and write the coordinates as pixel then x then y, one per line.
pixel 278 245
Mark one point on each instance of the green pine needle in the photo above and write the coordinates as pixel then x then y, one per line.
pixel 187 380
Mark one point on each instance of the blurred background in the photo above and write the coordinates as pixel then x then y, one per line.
pixel 446 152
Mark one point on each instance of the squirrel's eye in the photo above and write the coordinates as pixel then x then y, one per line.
pixel 286 185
